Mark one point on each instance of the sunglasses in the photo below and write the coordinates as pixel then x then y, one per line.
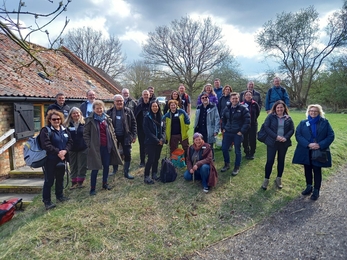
pixel 55 119
pixel 204 97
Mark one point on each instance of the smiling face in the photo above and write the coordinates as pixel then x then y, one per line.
pixel 234 99
pixel 204 100
pixel 175 95
pixel 75 116
pixel 277 82
pixel 313 112
pixel 248 96
pixel 279 110
pixel 145 96
pixel 98 110
pixel 154 108
pixel 250 86
pixel 208 88
pixel 119 103
pixel 55 121
pixel 60 100
pixel 91 96
pixel 173 107
pixel 227 91
pixel 181 89
pixel 198 141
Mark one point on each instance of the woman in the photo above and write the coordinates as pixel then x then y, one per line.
pixel 57 142
pixel 211 94
pixel 174 96
pixel 250 138
pixel 78 153
pixel 177 125
pixel 200 164
pixel 313 133
pixel 224 99
pixel 154 140
pixel 101 142
pixel 279 127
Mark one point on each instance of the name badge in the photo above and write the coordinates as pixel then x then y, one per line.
pixel 118 117
pixel 308 123
pixel 72 128
pixel 176 115
pixel 66 135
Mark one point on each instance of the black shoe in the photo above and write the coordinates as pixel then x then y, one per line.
pixel 142 165
pixel 92 193
pixel 155 176
pixel 49 205
pixel 307 191
pixel 251 156
pixel 63 199
pixel 315 194
pixel 148 180
pixel 235 171
pixel 106 187
pixel 225 167
pixel 128 176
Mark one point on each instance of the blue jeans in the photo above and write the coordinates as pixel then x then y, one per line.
pixel 228 139
pixel 105 158
pixel 202 174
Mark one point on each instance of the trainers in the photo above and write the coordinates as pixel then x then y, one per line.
pixel 49 205
pixel 235 171
pixel 278 182
pixel 225 167
pixel 307 191
pixel 265 184
pixel 63 199
pixel 92 193
pixel 205 189
pixel 106 187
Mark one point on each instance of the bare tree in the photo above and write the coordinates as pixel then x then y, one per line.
pixel 186 50
pixel 293 40
pixel 138 77
pixel 95 49
pixel 11 24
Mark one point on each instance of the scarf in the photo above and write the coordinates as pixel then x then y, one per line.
pixel 313 124
pixel 100 118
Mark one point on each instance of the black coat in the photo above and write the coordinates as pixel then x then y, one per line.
pixel 153 132
pixel 271 126
pixel 237 121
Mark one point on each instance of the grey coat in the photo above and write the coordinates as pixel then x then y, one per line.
pixel 91 136
pixel 212 121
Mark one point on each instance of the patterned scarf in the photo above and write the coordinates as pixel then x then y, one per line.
pixel 100 118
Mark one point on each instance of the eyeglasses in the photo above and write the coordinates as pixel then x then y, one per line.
pixel 118 100
pixel 204 97
pixel 313 111
pixel 56 119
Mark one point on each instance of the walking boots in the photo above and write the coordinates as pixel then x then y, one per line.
pixel 225 167
pixel 126 171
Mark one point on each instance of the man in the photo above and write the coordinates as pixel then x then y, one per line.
pixel 235 122
pixel 141 111
pixel 218 88
pixel 124 124
pixel 207 120
pixel 87 106
pixel 185 99
pixel 128 101
pixel 276 93
pixel 60 105
pixel 255 94
pixel 152 97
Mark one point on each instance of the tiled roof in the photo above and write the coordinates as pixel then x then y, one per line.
pixel 68 74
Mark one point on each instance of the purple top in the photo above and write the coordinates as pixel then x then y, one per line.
pixel 213 99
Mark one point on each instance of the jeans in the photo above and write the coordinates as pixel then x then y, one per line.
pixel 228 139
pixel 105 158
pixel 202 174
pixel 281 150
pixel 153 152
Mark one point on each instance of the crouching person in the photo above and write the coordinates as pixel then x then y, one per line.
pixel 200 163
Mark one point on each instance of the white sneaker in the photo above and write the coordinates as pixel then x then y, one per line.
pixel 205 189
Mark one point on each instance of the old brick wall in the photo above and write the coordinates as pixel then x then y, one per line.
pixel 6 123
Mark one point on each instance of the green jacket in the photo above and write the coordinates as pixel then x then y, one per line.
pixel 184 122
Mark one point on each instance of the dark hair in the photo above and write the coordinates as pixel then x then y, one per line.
pixel 156 117
pixel 278 102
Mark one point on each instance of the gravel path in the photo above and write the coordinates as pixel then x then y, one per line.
pixel 304 229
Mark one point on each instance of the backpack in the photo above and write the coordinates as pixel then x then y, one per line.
pixel 177 158
pixel 34 156
pixel 7 209
pixel 168 171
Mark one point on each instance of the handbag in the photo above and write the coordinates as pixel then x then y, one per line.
pixel 262 134
pixel 320 155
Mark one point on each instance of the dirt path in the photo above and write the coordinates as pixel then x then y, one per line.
pixel 304 229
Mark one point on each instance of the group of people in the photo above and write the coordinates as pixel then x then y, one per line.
pixel 94 138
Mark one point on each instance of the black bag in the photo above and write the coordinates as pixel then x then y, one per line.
pixel 167 172
pixel 262 135
pixel 320 155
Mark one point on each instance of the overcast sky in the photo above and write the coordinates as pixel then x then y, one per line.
pixel 131 20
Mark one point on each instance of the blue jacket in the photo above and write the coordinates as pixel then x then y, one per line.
pixel 325 136
pixel 274 94
pixel 271 126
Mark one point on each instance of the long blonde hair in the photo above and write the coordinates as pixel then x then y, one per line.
pixel 69 117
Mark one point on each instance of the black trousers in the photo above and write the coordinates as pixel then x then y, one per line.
pixel 250 140
pixel 51 173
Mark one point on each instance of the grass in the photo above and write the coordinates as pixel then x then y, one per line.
pixel 160 221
